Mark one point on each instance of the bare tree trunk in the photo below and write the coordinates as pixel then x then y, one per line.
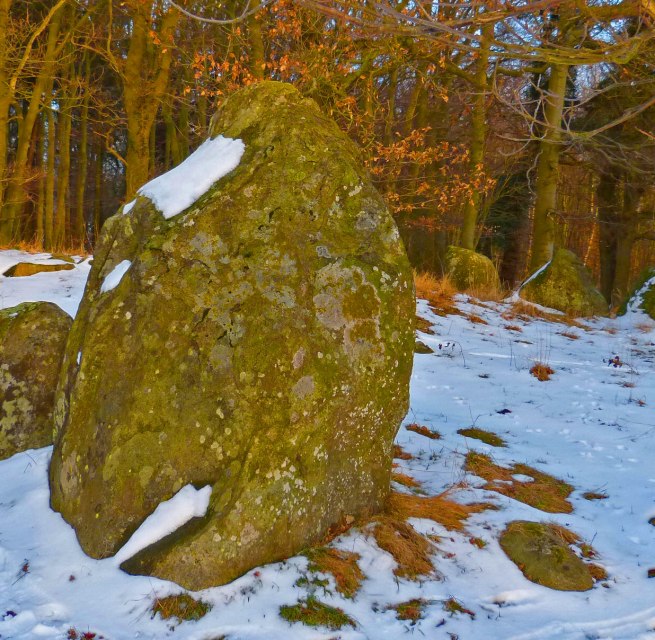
pixel 478 137
pixel 548 168
pixel 50 182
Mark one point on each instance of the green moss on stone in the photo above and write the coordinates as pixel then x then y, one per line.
pixel 32 340
pixel 566 284
pixel 543 555
pixel 470 270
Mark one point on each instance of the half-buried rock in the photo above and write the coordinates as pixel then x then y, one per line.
pixel 248 326
pixel 32 341
pixel 565 284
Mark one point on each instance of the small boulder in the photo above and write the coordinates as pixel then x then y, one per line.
pixel 260 341
pixel 543 555
pixel 32 341
pixel 470 270
pixel 565 284
pixel 643 295
pixel 23 269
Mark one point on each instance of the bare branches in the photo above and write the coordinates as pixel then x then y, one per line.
pixel 247 11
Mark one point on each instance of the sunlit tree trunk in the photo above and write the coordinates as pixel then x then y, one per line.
pixel 478 137
pixel 548 168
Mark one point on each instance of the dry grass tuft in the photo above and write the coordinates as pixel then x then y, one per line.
pixel 439 508
pixel 314 613
pixel 453 606
pixel 180 606
pixel 411 551
pixel 541 371
pixel 405 480
pixel 487 437
pixel 411 611
pixel 423 430
pixel 513 327
pixel 597 572
pixel 488 293
pixel 423 325
pixel 545 492
pixel 342 565
pixel 439 292
pixel 645 327
pixel 36 247
pixel 527 311
pixel 595 495
pixel 570 335
pixel 472 318
pixel 401 454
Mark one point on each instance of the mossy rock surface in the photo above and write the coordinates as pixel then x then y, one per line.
pixel 470 270
pixel 32 341
pixel 544 556
pixel 567 285
pixel 261 342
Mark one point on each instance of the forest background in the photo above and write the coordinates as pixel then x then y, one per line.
pixel 508 126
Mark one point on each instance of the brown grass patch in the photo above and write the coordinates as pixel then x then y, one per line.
pixel 453 606
pixel 439 508
pixel 471 317
pixel 487 437
pixel 541 371
pixel 36 247
pixel 180 606
pixel 645 327
pixel 595 495
pixel 439 292
pixel 405 480
pixel 401 454
pixel 423 430
pixel 546 492
pixel 597 572
pixel 412 610
pixel 315 613
pixel 423 325
pixel 569 335
pixel 526 312
pixel 513 327
pixel 411 551
pixel 488 293
pixel 341 565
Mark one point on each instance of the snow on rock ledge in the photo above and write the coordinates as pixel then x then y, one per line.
pixel 115 276
pixel 169 516
pixel 179 188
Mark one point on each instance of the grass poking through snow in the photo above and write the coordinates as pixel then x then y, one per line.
pixel 544 492
pixel 341 565
pixel 181 607
pixel 315 613
pixel 423 430
pixel 484 436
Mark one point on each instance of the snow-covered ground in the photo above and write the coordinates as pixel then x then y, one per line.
pixel 592 425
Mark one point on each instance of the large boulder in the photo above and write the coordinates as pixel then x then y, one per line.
pixel 259 342
pixel 32 341
pixel 470 270
pixel 567 285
